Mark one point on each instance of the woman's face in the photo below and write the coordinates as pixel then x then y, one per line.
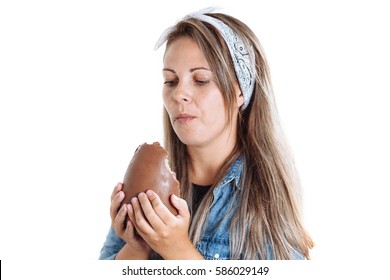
pixel 191 97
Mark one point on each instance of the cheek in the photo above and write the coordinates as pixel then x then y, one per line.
pixel 164 96
pixel 166 102
pixel 214 102
pixel 214 112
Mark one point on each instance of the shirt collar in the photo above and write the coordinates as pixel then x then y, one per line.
pixel 234 173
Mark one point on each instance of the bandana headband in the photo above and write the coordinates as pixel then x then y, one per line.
pixel 241 57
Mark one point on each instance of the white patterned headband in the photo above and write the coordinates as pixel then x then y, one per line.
pixel 243 61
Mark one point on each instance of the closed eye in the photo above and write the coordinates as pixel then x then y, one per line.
pixel 170 83
pixel 202 82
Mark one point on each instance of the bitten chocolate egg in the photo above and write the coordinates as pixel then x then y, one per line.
pixel 149 170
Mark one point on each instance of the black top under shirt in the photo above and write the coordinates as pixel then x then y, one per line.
pixel 198 192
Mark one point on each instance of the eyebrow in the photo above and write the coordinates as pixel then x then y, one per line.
pixel 191 70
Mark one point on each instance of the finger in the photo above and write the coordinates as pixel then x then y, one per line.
pixel 116 203
pixel 119 220
pixel 181 206
pixel 154 210
pixel 116 189
pixel 130 215
pixel 129 231
pixel 158 206
pixel 140 221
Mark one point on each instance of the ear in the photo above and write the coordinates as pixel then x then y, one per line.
pixel 239 95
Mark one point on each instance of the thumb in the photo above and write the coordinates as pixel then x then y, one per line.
pixel 181 206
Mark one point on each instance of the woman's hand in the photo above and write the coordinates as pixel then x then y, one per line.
pixel 165 233
pixel 136 247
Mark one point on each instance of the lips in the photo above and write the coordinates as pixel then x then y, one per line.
pixel 183 118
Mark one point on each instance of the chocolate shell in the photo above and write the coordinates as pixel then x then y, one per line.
pixel 149 170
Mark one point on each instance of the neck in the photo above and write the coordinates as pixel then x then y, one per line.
pixel 207 161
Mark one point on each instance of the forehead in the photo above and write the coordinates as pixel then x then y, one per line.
pixel 184 50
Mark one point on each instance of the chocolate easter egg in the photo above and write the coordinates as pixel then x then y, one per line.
pixel 149 170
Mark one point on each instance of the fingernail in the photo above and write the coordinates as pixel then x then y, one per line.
pixel 149 192
pixel 175 198
pixel 141 194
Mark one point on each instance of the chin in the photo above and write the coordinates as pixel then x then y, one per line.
pixel 191 142
pixel 191 138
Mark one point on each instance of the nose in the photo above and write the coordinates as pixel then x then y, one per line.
pixel 182 93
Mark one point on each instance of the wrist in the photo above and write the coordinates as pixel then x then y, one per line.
pixel 185 251
pixel 127 253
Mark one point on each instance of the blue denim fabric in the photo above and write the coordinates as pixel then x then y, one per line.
pixel 111 246
pixel 214 243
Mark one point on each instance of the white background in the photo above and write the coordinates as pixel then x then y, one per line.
pixel 80 87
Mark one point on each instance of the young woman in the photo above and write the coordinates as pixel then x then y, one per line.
pixel 239 188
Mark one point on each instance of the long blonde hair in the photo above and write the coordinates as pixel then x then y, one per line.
pixel 267 218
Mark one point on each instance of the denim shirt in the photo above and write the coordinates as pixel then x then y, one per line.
pixel 214 243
